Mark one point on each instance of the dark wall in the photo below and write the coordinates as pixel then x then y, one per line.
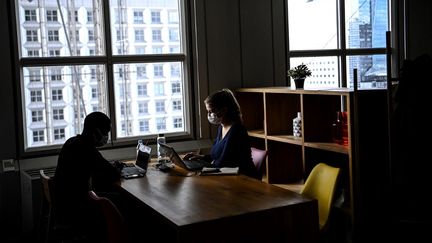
pixel 245 42
pixel 410 169
pixel 9 181
pixel 262 43
pixel 241 43
pixel 7 117
pixel 418 30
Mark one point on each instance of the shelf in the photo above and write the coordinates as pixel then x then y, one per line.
pixel 257 133
pixel 289 90
pixel 334 147
pixel 285 139
pixel 268 113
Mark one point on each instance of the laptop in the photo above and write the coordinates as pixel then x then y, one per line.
pixel 192 165
pixel 131 170
pixel 139 168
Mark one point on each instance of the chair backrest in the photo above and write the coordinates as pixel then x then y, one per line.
pixel 321 185
pixel 114 221
pixel 48 187
pixel 258 157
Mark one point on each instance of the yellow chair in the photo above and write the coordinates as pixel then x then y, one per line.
pixel 321 185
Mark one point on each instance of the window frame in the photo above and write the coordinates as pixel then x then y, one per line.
pixel 342 53
pixel 109 60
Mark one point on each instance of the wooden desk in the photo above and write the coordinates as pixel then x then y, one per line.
pixel 223 208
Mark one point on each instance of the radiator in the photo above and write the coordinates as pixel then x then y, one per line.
pixel 31 197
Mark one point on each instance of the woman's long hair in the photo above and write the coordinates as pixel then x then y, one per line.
pixel 225 98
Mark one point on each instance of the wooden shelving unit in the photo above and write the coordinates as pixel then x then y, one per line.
pixel 268 113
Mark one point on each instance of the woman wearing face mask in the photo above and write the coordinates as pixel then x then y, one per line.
pixel 231 147
pixel 80 168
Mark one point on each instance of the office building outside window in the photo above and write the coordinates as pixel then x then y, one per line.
pixel 177 122
pixel 160 106
pixel 155 17
pixel 37 115
pixel 176 88
pixel 157 35
pixel 139 35
pixel 59 134
pixel 142 89
pixel 33 53
pixel 32 35
pixel 161 124
pixel 57 94
pixel 51 15
pixel 30 15
pixel 141 71
pixel 72 81
pixel 144 126
pixel 89 17
pixel 138 17
pixel 143 108
pixel 58 114
pixel 38 136
pixel 176 105
pixel 363 48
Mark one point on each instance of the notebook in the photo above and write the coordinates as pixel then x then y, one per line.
pixel 185 164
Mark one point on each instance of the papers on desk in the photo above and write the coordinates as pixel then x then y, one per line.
pixel 219 171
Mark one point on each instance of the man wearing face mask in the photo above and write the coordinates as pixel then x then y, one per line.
pixel 231 147
pixel 81 168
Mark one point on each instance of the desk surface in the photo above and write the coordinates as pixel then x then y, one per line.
pixel 191 200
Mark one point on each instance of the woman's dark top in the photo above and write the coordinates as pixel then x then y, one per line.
pixel 234 150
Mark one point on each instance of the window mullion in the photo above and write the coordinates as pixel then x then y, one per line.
pixel 342 43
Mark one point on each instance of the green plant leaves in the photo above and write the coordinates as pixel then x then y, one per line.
pixel 300 71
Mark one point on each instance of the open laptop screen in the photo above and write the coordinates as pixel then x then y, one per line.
pixel 188 164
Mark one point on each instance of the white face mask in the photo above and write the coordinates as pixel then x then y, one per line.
pixel 214 119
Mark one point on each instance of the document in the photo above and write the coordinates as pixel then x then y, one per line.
pixel 219 171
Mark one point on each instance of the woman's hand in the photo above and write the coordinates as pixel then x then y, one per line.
pixel 192 156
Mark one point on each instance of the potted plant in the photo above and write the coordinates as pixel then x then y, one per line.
pixel 299 74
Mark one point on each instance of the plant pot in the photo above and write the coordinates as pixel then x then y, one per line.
pixel 299 83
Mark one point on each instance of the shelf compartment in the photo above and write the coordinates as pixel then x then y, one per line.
pixel 252 107
pixel 286 162
pixel 319 115
pixel 281 109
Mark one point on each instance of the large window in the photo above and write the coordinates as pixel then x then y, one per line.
pixel 66 57
pixel 332 44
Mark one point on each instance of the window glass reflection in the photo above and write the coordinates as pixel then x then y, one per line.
pixel 316 32
pixel 152 28
pixel 325 71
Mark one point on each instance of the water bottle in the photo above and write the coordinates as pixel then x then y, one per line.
pixel 160 151
pixel 140 142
